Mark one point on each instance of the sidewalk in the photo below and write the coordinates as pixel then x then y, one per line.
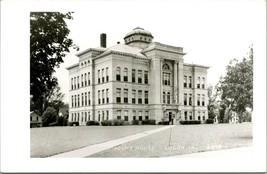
pixel 92 149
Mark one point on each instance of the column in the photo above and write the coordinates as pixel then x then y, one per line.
pixel 175 97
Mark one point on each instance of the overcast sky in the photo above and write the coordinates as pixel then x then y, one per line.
pixel 211 32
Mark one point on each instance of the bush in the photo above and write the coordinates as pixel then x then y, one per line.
pixel 92 123
pixel 49 116
pixel 62 121
pixel 107 123
pixel 190 122
pixel 149 122
pixel 135 122
pixel 209 121
pixel 126 123
pixel 72 123
pixel 164 123
pixel 118 122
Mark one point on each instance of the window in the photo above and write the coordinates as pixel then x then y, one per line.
pixel 185 99
pixel 139 76
pixel 140 115
pixel 85 99
pixel 78 100
pixel 71 83
pixel 72 101
pixel 203 100
pixel 166 78
pixel 190 82
pixel 126 116
pixel 139 96
pixel 98 76
pixel 85 80
pixel 89 82
pixel 75 100
pixel 190 115
pixel 146 77
pixel 198 82
pixel 118 74
pixel 78 115
pixel 99 99
pixel 85 116
pixel 107 75
pixel 185 81
pixel 74 82
pixel 134 115
pixel 103 96
pixel 72 117
pixel 146 97
pixel 103 76
pixel 125 95
pixel 203 83
pixel 198 99
pixel 82 116
pixel 75 117
pixel 166 67
pixel 190 99
pixel 125 75
pixel 99 115
pixel 164 97
pixel 168 98
pixel 146 115
pixel 107 96
pixel 82 99
pixel 82 79
pixel 198 117
pixel 118 114
pixel 103 115
pixel 133 75
pixel 133 96
pixel 89 99
pixel 78 81
pixel 107 114
pixel 203 116
pixel 185 115
pixel 118 93
pixel 93 117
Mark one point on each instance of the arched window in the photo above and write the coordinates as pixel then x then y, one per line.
pixel 166 75
pixel 125 75
pixel 166 67
pixel 118 74
pixel 164 97
pixel 168 98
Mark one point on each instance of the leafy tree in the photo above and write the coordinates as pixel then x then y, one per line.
pixel 237 85
pixel 49 43
pixel 213 108
pixel 54 98
pixel 49 116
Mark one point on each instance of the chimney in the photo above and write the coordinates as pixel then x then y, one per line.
pixel 103 42
pixel 118 42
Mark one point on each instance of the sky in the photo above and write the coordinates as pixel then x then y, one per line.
pixel 211 32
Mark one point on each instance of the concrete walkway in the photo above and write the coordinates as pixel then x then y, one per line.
pixel 92 149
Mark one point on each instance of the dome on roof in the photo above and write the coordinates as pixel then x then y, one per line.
pixel 139 30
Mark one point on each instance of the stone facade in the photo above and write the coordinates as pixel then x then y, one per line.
pixel 138 80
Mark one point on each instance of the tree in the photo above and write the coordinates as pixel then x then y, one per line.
pixel 49 43
pixel 49 116
pixel 213 108
pixel 237 85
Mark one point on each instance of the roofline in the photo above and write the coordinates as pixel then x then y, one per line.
pixel 120 53
pixel 162 49
pixel 72 66
pixel 88 50
pixel 196 65
pixel 139 34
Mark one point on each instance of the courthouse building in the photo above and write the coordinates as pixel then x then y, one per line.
pixel 137 80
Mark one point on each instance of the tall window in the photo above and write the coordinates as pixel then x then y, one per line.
pixel 85 80
pixel 203 116
pixel 89 82
pixel 78 115
pixel 185 115
pixel 125 75
pixel 190 82
pixel 146 115
pixel 133 75
pixel 82 99
pixel 203 83
pixel 93 117
pixel 125 95
pixel 118 74
pixel 134 114
pixel 203 100
pixel 99 116
pixel 85 98
pixel 74 116
pixel 78 81
pixel 103 115
pixel 190 99
pixel 190 115
pixel 140 115
pixel 118 93
pixel 89 99
pixel 166 78
pixel 74 82
pixel 98 76
pixel 185 99
pixel 107 75
pixel 71 83
pixel 72 101
pixel 99 99
pixel 133 96
pixel 146 77
pixel 139 96
pixel 168 98
pixel 126 118
pixel 82 79
pixel 198 117
pixel 198 82
pixel 107 114
pixel 185 81
pixel 103 96
pixel 146 97
pixel 139 76
pixel 75 101
pixel 85 116
pixel 164 97
pixel 82 116
pixel 118 114
pixel 107 94
pixel 103 76
pixel 198 99
pixel 78 100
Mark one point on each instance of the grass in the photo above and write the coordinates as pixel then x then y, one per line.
pixel 185 139
pixel 54 140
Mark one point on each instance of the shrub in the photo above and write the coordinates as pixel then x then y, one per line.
pixel 62 121
pixel 72 123
pixel 190 122
pixel 49 116
pixel 135 122
pixel 164 123
pixel 92 123
pixel 107 123
pixel 118 122
pixel 149 122
pixel 209 121
pixel 126 123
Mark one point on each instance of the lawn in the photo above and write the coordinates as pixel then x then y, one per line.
pixel 54 140
pixel 185 139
